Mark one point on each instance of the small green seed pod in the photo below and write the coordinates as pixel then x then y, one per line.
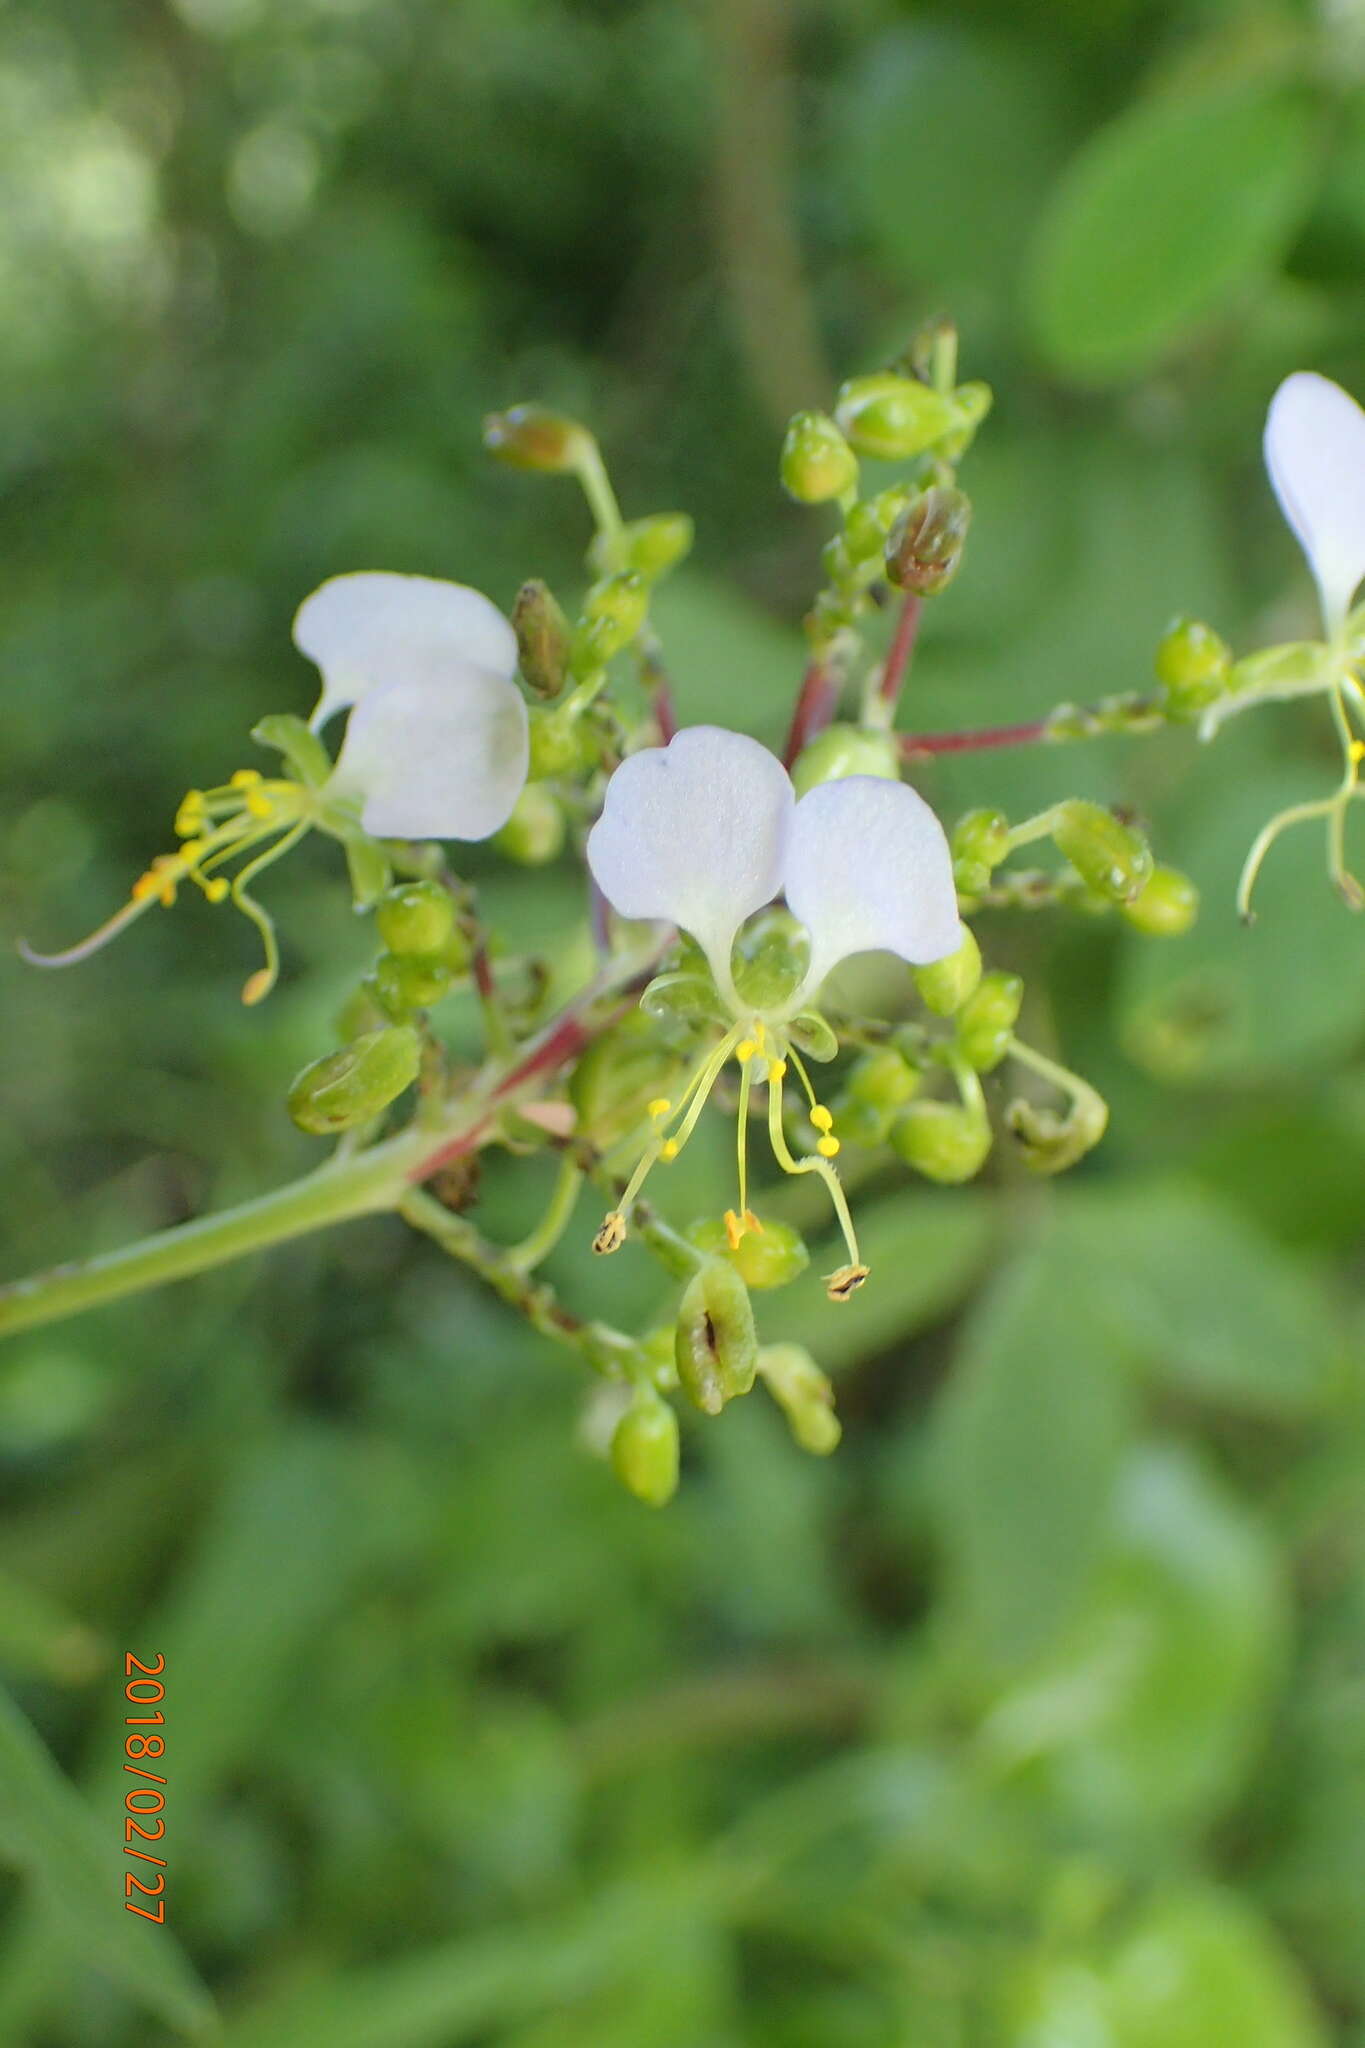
pixel 945 985
pixel 644 1449
pixel 715 1344
pixel 817 463
pixel 1193 666
pixel 924 548
pixel 349 1087
pixel 534 834
pixel 415 917
pixel 534 437
pixel 988 1017
pixel 543 634
pixel 945 1141
pixel 1166 905
pixel 1110 856
pixel 771 1256
pixel 893 417
pixel 843 750
pixel 804 1395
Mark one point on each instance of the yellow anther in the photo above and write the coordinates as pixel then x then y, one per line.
pixel 216 890
pixel 259 806
pixel 745 1050
pixel 612 1234
pixel 660 1106
pixel 669 1149
pixel 845 1283
pixel 734 1228
pixel 190 817
pixel 193 850
pixel 244 778
pixel 257 986
pixel 828 1148
pixel 821 1117
pixel 1358 751
pixel 146 885
pixel 777 1070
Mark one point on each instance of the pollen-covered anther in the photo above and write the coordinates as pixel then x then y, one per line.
pixel 822 1118
pixel 1357 751
pixel 659 1107
pixel 738 1227
pixel 745 1050
pixel 612 1234
pixel 844 1284
pixel 668 1150
pixel 777 1070
pixel 828 1148
pixel 189 819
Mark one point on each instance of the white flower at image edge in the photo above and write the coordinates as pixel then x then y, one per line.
pixel 705 831
pixel 436 746
pixel 1315 456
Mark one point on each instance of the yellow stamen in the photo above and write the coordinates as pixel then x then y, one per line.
pixel 259 806
pixel 828 1148
pixel 244 778
pixel 1357 751
pixel 735 1229
pixel 669 1149
pixel 612 1234
pixel 660 1106
pixel 745 1050
pixel 777 1070
pixel 841 1286
pixel 821 1117
pixel 216 890
pixel 257 986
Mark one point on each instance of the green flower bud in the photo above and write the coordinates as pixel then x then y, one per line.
pixel 767 1257
pixel 715 1345
pixel 644 1449
pixel 349 1087
pixel 893 417
pixel 817 463
pixel 1050 1143
pixel 556 745
pixel 1166 905
pixel 415 917
pixel 804 1395
pixel 924 547
pixel 620 1074
pixel 981 837
pixel 361 1013
pixel 542 633
pixel 651 546
pixel 987 1019
pixel 846 750
pixel 868 524
pixel 1109 855
pixel 830 615
pixel 533 437
pixel 534 834
pixel 884 1079
pixel 946 984
pixel 810 1034
pixel 769 959
pixel 864 1124
pixel 404 982
pixel 945 1141
pixel 1193 666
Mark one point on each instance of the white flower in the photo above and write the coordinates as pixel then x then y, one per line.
pixel 705 831
pixel 1315 454
pixel 436 746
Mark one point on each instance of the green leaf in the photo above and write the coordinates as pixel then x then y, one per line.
pixel 48 1832
pixel 1199 1966
pixel 1034 1428
pixel 1161 219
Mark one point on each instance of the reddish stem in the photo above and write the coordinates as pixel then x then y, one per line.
pixel 815 707
pixel 901 651
pixel 915 745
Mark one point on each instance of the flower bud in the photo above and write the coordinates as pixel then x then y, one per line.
pixel 534 834
pixel 981 837
pixel 404 982
pixel 620 1074
pixel 945 1141
pixel 556 745
pixel 769 960
pixel 1049 1143
pixel 1193 666
pixel 651 546
pixel 1166 905
pixel 869 523
pixel 893 417
pixel 533 437
pixel 864 1124
pixel 945 985
pixel 766 1257
pixel 613 612
pixel 1109 855
pixel 415 917
pixel 349 1087
pixel 542 633
pixel 846 750
pixel 987 1019
pixel 715 1345
pixel 644 1449
pixel 924 547
pixel 883 1078
pixel 804 1395
pixel 361 1013
pixel 817 463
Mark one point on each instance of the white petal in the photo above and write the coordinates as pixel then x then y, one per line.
pixel 695 833
pixel 868 870
pixel 443 761
pixel 372 629
pixel 1315 453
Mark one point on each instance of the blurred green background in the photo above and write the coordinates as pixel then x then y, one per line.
pixel 1035 1718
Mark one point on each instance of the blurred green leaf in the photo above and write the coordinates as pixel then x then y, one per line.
pixel 1199 1966
pixel 1162 217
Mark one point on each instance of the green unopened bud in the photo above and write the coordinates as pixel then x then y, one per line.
pixel 811 1035
pixel 415 917
pixel 644 1449
pixel 893 417
pixel 924 547
pixel 1193 666
pixel 533 437
pixel 817 462
pixel 869 523
pixel 613 612
pixel 534 834
pixel 804 1395
pixel 1109 855
pixel 715 1345
pixel 843 750
pixel 349 1087
pixel 404 982
pixel 945 1141
pixel 556 745
pixel 863 1124
pixel 766 1255
pixel 542 633
pixel 769 959
pixel 622 1072
pixel 945 985
pixel 651 546
pixel 1166 905
pixel 980 841
pixel 987 1019
pixel 1050 1143
pixel 883 1078
pixel 361 1013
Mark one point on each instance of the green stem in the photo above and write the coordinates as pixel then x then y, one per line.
pixel 541 1241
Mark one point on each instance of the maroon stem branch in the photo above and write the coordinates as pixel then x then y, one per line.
pixel 917 745
pixel 901 651
pixel 815 707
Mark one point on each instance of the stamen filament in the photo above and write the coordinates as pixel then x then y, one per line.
pixel 259 984
pixel 782 1153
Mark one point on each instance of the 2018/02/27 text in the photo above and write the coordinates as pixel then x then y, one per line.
pixel 144 1807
